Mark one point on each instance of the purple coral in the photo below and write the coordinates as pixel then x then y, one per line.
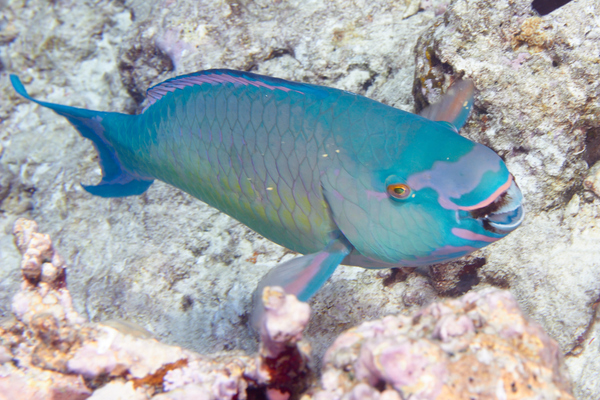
pixel 478 345
pixel 43 288
pixel 284 321
pixel 55 337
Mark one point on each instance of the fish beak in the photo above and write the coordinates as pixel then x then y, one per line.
pixel 505 213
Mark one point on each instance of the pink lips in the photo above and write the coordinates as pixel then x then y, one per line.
pixel 468 235
pixel 490 199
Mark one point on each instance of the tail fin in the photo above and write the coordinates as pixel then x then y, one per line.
pixel 116 181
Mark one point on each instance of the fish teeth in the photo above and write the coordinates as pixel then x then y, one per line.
pixel 512 199
pixel 513 219
pixel 511 213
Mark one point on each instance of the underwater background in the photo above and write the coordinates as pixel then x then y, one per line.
pixel 185 272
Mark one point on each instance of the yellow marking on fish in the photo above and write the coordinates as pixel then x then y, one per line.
pixel 302 222
pixel 248 190
pixel 272 216
pixel 290 201
pixel 260 210
pixel 287 218
pixel 303 203
pixel 275 199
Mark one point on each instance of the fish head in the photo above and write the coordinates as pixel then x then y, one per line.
pixel 473 200
pixel 443 197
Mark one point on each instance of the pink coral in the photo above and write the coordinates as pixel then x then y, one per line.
pixel 478 345
pixel 43 289
pixel 285 319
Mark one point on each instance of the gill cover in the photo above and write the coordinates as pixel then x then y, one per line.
pixel 443 172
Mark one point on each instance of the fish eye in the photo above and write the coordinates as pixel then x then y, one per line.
pixel 398 191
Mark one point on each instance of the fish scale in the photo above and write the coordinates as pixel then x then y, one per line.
pixel 326 173
pixel 222 153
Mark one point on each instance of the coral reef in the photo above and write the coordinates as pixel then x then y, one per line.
pixel 534 63
pixel 173 265
pixel 282 361
pixel 477 345
pixel 536 105
pixel 44 329
pixel 49 350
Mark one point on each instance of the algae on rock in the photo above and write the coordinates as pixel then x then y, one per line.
pixel 164 259
pixel 538 107
pixel 185 271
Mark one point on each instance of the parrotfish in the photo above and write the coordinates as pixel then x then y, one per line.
pixel 335 176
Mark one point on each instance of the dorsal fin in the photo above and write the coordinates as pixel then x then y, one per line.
pixel 455 105
pixel 223 76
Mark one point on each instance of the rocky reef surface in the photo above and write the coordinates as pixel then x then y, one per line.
pixel 48 351
pixel 186 272
pixel 538 106
pixel 477 345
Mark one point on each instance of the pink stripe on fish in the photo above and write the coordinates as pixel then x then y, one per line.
pixel 446 250
pixel 440 254
pixel 490 199
pixel 154 94
pixel 298 285
pixel 468 235
pixel 377 195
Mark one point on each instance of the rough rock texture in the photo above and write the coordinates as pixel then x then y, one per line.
pixel 39 384
pixel 164 259
pixel 359 46
pixel 584 362
pixel 478 346
pixel 592 181
pixel 538 105
pixel 186 272
pixel 47 350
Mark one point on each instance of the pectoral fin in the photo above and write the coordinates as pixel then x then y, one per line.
pixel 303 276
pixel 455 105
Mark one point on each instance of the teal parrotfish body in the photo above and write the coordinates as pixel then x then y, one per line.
pixel 330 174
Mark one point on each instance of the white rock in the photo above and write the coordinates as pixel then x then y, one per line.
pixel 186 272
pixel 117 390
pixel 592 181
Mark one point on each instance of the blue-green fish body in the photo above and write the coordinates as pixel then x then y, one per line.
pixel 324 172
